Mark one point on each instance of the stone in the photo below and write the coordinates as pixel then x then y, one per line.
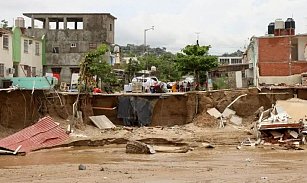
pixel 136 147
pixel 82 167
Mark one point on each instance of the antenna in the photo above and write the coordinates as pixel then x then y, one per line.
pixel 197 37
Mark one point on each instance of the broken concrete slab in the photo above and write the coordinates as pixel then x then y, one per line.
pixel 168 149
pixel 228 113
pixel 296 108
pixel 136 147
pixel 236 120
pixel 102 122
pixel 294 134
pixel 276 134
pixel 214 112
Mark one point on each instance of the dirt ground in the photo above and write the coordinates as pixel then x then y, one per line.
pixel 112 164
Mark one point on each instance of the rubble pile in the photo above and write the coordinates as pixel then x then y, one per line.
pixel 276 126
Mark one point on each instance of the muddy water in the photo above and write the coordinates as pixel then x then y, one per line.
pixel 222 164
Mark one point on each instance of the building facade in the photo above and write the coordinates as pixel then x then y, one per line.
pixel 69 36
pixel 20 55
pixel 232 72
pixel 280 57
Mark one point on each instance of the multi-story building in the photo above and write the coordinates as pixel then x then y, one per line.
pixel 20 55
pixel 279 57
pixel 69 36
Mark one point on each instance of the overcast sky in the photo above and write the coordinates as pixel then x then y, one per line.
pixel 224 24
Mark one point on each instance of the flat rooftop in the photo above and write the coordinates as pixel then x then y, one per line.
pixel 45 15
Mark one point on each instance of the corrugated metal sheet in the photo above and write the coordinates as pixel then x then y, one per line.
pixel 45 133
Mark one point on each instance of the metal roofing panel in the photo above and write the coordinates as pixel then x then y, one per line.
pixel 45 133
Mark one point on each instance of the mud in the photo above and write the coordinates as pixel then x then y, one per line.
pixel 112 164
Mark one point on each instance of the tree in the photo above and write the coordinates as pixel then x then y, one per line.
pixel 94 64
pixel 164 63
pixel 132 67
pixel 4 23
pixel 196 59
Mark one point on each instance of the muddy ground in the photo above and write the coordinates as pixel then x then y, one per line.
pixel 112 164
pixel 172 126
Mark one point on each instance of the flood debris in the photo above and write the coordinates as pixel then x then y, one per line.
pixel 44 133
pixel 277 126
pixel 102 122
pixel 136 147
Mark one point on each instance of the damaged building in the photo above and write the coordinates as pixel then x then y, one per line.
pixel 68 37
pixel 280 57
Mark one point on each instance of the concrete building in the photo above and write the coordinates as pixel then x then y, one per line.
pixel 279 57
pixel 20 55
pixel 233 70
pixel 69 36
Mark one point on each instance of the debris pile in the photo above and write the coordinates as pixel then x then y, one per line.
pixel 228 115
pixel 44 133
pixel 276 126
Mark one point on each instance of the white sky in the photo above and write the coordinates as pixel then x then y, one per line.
pixel 224 24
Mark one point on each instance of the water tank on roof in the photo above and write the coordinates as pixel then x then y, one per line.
pixel 290 23
pixel 20 22
pixel 271 28
pixel 279 24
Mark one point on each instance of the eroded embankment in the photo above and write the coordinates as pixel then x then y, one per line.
pixel 20 109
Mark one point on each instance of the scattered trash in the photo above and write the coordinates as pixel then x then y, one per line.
pixel 102 122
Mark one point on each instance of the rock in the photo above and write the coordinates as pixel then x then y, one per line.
pixel 207 145
pixel 136 147
pixel 82 167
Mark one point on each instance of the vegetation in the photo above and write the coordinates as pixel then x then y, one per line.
pixel 4 23
pixel 93 65
pixel 196 59
pixel 165 65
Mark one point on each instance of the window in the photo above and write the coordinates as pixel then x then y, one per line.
pixel 55 50
pixel 111 27
pixel 26 46
pixel 5 41
pixel 36 48
pixel 224 61
pixel 236 61
pixel 1 70
pixel 33 71
pixel 73 45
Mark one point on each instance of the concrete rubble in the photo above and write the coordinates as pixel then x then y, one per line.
pixel 283 124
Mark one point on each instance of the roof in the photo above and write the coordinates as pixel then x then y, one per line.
pixel 44 133
pixel 297 35
pixel 5 31
pixel 40 15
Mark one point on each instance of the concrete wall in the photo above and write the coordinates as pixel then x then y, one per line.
pixel 6 55
pixel 30 58
pixel 96 30
pixel 289 80
pixel 302 41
